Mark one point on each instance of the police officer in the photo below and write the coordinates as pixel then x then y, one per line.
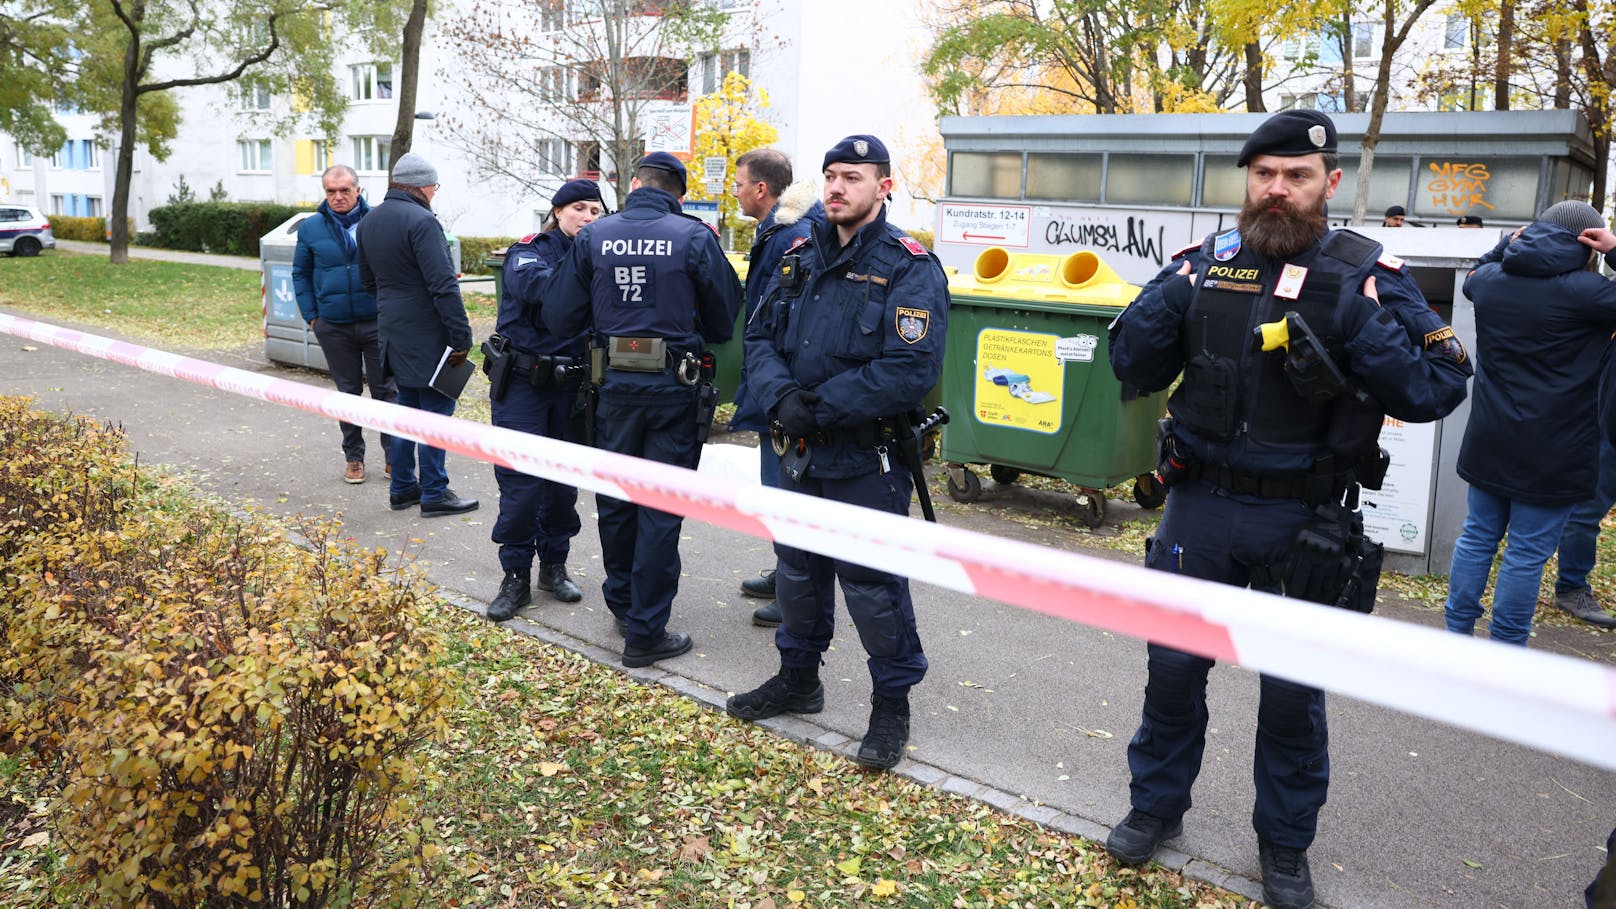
pixel 1264 446
pixel 844 347
pixel 538 393
pixel 653 287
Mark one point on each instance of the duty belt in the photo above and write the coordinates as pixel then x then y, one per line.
pixel 866 435
pixel 1315 487
pixel 542 370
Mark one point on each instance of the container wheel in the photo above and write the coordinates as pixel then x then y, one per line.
pixel 966 487
pixel 1091 507
pixel 1148 491
pixel 1003 474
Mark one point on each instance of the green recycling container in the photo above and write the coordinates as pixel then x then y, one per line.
pixel 1027 380
pixel 728 354
pixel 496 264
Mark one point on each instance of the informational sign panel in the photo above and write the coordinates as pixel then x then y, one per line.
pixel 982 224
pixel 282 298
pixel 1397 515
pixel 714 169
pixel 1019 379
pixel 668 127
pixel 707 211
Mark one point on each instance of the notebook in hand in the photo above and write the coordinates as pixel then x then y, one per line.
pixel 451 380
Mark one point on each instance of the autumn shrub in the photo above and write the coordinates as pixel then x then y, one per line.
pixel 237 720
pixel 474 252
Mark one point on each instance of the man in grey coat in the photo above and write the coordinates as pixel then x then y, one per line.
pixel 404 262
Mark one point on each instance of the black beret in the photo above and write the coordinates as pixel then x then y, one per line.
pixel 1290 134
pixel 1469 219
pixel 1396 211
pixel 575 191
pixel 857 150
pixel 667 162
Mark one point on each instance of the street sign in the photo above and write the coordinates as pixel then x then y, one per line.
pixel 984 225
pixel 714 170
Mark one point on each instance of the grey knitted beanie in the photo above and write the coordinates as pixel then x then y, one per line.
pixel 1573 215
pixel 414 170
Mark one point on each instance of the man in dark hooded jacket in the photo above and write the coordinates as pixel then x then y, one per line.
pixel 1531 448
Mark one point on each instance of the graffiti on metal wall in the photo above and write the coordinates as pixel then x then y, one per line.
pixel 1127 235
pixel 1457 187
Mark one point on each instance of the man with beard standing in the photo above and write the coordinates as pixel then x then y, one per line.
pixel 1265 449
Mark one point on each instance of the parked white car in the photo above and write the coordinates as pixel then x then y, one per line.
pixel 24 231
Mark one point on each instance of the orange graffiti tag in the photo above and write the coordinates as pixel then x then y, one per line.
pixel 1458 187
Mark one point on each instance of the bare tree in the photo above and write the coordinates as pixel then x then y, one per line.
pixel 1394 34
pixel 583 76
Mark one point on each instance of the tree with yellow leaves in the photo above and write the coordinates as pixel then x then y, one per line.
pixel 727 126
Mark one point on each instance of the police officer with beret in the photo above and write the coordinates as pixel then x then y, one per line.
pixel 653 288
pixel 842 350
pixel 1271 434
pixel 534 378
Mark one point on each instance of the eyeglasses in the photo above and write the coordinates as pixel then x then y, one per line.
pixel 740 185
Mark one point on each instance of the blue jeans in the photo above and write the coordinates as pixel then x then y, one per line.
pixel 1534 532
pixel 434 478
pixel 1581 532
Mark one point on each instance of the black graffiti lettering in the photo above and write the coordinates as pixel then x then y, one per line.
pixel 1094 236
pixel 1140 244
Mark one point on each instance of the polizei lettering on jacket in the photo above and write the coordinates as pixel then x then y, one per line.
pixel 635 246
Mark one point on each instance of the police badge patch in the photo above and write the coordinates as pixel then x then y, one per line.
pixel 1226 246
pixel 912 324
pixel 861 147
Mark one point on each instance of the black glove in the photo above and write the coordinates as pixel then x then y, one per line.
pixel 796 412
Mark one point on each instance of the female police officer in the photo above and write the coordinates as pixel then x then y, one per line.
pixel 536 516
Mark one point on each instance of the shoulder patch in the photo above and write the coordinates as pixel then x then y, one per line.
pixel 528 238
pixel 912 324
pixel 1186 250
pixel 1226 246
pixel 915 249
pixel 797 242
pixel 1387 260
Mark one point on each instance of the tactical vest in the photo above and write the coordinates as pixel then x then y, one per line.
pixel 640 286
pixel 1231 388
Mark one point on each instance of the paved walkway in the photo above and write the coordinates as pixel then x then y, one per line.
pixel 1022 710
pixel 480 283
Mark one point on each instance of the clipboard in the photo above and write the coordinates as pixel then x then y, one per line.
pixel 451 380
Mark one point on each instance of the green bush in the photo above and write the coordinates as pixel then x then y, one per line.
pixel 235 720
pixel 474 250
pixel 228 228
pixel 66 227
pixel 925 237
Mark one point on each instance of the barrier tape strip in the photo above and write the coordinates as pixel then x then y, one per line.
pixel 1542 700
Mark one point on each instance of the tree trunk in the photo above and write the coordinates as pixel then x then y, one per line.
pixel 1506 49
pixel 128 111
pixel 408 75
pixel 1253 79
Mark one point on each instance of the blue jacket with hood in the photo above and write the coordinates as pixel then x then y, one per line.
pixel 325 275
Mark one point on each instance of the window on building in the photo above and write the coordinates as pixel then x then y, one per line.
pixel 991 175
pixel 553 83
pixel 58 204
pixel 90 155
pixel 253 97
pixel 59 157
pixel 256 155
pixel 92 206
pixel 737 61
pixel 1068 177
pixel 372 154
pixel 715 66
pixel 555 156
pixel 1388 184
pixel 1163 179
pixel 1456 32
pixel 371 81
pixel 312 156
pixel 1363 40
pixel 552 15
pixel 26 197
pixel 25 158
pixel 662 78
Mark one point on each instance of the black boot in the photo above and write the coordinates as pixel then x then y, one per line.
pixel 768 615
pixel 761 586
pixel 1287 882
pixel 553 577
pixel 882 747
pixel 789 691
pixel 514 593
pixel 1139 835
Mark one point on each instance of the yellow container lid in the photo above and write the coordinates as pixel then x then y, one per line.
pixel 739 263
pixel 1081 277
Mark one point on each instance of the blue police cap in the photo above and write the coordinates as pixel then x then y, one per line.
pixel 575 191
pixel 664 161
pixel 859 149
pixel 1290 134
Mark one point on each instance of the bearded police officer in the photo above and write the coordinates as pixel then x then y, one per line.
pixel 653 287
pixel 842 350
pixel 1270 435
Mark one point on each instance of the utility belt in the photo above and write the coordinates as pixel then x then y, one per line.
pixel 866 435
pixel 546 371
pixel 1330 479
pixel 656 355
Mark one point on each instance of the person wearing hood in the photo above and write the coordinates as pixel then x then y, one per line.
pixel 1530 453
pixel 340 312
pixel 786 213
pixel 539 394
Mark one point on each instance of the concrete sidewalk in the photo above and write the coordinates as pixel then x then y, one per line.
pixel 479 283
pixel 1024 711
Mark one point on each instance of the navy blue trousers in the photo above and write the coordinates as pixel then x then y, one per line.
pixel 536 516
pixel 640 545
pixel 878 601
pixel 1212 534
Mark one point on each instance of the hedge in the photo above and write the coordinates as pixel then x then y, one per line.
pixel 473 250
pixel 228 228
pixel 93 230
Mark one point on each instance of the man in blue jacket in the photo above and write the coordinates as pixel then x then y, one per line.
pixel 404 261
pixel 342 314
pixel 786 213
pixel 1544 319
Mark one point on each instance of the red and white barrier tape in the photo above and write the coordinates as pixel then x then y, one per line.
pixel 1543 700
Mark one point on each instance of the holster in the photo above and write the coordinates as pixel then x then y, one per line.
pixel 1332 561
pixel 1173 464
pixel 497 366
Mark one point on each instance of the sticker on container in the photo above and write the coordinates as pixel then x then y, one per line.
pixel 1079 349
pixel 1019 380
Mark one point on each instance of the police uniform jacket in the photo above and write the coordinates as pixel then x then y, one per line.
pixel 863 328
pixel 404 261
pixel 1398 352
pixel 649 271
pixel 325 275
pixel 1543 327
pixel 528 265
pixel 790 220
